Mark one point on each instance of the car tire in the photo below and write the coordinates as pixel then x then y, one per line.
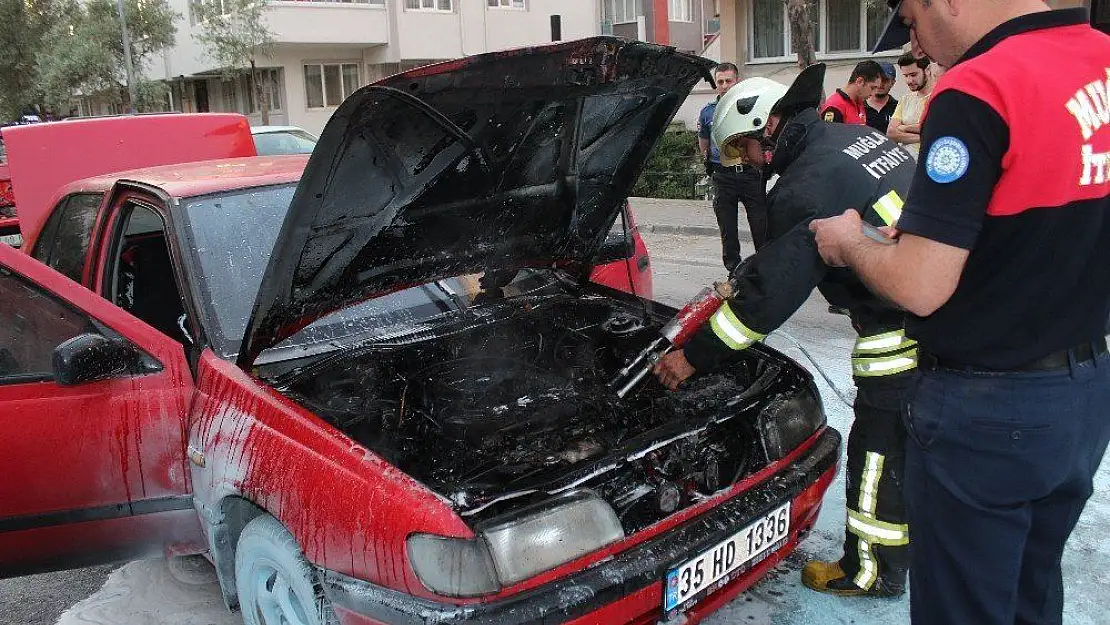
pixel 275 583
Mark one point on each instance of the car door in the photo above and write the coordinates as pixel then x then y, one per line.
pixel 90 471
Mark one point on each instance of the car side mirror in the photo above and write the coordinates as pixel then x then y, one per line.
pixel 617 246
pixel 92 357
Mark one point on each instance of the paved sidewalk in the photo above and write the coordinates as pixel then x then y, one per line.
pixel 686 217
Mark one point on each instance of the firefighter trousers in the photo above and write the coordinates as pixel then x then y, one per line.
pixel 876 536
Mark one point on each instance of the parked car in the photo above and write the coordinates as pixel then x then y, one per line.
pixel 275 140
pixel 373 388
pixel 41 158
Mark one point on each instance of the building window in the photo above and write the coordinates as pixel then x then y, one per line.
pixel 622 11
pixel 682 11
pixel 271 86
pixel 328 84
pixel 429 5
pixel 506 4
pixel 840 27
pixel 769 29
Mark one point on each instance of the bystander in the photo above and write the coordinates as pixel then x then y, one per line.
pixel 734 182
pixel 905 123
pixel 881 105
pixel 847 105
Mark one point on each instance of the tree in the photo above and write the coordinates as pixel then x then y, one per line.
pixel 235 34
pixel 800 12
pixel 23 24
pixel 83 52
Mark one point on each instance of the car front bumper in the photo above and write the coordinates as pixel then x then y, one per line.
pixel 628 587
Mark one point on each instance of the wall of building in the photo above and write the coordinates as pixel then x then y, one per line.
pixel 328 22
pixel 689 36
pixel 474 27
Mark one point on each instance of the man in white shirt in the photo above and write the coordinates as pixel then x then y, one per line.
pixel 905 127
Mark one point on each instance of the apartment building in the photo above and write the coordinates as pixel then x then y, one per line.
pixel 757 33
pixel 678 23
pixel 326 49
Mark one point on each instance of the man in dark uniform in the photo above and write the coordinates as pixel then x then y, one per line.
pixel 733 181
pixel 1002 258
pixel 881 105
pixel 824 168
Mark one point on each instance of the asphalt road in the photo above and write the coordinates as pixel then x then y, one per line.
pixel 184 592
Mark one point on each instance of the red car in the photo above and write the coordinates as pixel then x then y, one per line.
pixel 380 394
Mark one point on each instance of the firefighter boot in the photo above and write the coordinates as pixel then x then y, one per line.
pixel 829 577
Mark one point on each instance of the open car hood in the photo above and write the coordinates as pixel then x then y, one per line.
pixel 509 159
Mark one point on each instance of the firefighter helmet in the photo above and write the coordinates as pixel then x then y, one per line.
pixel 742 112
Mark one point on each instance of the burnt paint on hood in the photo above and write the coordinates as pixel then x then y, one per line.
pixel 509 159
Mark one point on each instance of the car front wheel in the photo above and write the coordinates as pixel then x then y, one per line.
pixel 276 585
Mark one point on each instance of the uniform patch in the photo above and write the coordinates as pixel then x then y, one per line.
pixel 830 116
pixel 947 160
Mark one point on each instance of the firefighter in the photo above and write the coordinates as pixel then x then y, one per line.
pixel 824 169
pixel 1002 264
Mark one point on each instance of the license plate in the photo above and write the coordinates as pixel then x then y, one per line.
pixel 687 583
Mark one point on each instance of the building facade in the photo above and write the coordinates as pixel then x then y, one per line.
pixel 326 49
pixel 757 34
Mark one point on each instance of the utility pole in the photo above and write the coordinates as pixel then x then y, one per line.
pixel 127 58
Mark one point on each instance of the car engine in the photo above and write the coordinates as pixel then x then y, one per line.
pixel 512 407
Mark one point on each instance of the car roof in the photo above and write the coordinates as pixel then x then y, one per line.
pixel 261 130
pixel 203 177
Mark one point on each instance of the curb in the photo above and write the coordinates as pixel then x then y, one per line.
pixel 693 231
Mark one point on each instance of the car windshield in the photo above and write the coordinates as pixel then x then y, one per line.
pixel 228 238
pixel 284 142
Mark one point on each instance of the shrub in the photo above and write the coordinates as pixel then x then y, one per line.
pixel 673 169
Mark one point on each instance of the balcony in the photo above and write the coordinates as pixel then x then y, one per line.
pixel 347 22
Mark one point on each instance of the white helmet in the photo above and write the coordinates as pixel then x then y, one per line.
pixel 743 111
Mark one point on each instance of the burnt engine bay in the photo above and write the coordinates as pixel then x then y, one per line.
pixel 512 407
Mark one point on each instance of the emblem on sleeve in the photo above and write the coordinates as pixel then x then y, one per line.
pixel 830 116
pixel 947 160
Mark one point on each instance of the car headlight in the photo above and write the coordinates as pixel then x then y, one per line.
pixel 453 567
pixel 787 422
pixel 511 549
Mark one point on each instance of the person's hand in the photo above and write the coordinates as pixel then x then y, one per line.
pixel 891 231
pixel 673 369
pixel 912 128
pixel 835 235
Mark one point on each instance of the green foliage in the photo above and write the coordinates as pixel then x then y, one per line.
pixel 23 23
pixel 235 35
pixel 83 52
pixel 673 168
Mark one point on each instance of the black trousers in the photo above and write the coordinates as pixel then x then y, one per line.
pixel 876 537
pixel 732 188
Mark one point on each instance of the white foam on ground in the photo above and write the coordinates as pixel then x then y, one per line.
pixel 183 591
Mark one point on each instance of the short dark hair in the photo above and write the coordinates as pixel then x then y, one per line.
pixel 726 67
pixel 908 59
pixel 868 70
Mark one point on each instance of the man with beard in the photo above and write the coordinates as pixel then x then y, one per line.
pixel 824 169
pixel 881 105
pixel 905 123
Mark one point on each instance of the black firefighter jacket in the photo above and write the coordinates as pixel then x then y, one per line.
pixel 825 169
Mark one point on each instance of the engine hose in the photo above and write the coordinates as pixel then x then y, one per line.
pixel 796 343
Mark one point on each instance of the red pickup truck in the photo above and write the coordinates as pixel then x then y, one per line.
pixel 371 385
pixel 41 158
